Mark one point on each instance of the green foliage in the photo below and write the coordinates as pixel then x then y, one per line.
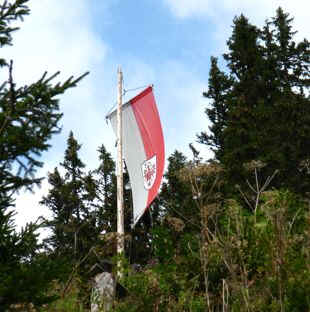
pixel 261 100
pixel 105 179
pixel 10 12
pixel 234 259
pixel 25 273
pixel 161 287
pixel 68 303
pixel 176 195
pixel 73 225
pixel 29 116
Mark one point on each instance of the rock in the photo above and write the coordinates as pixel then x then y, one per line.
pixel 103 292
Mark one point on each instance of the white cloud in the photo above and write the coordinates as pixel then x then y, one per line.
pixel 56 36
pixel 186 8
pixel 182 106
pixel 221 13
pixel 28 205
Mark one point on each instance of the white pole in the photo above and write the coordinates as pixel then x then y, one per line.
pixel 120 195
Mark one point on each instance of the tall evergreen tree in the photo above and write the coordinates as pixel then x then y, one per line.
pixel 260 109
pixel 73 225
pixel 29 116
pixel 106 191
pixel 138 247
pixel 176 195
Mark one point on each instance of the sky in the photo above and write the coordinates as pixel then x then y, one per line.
pixel 167 43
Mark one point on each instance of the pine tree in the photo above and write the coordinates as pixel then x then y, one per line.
pixel 29 116
pixel 70 200
pixel 260 109
pixel 138 247
pixel 176 195
pixel 106 191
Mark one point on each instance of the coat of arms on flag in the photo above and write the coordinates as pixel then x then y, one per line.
pixel 149 172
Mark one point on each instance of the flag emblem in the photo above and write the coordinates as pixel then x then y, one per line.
pixel 149 172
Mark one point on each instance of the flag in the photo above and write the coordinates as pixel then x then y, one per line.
pixel 143 146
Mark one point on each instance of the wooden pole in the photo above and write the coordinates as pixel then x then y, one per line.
pixel 120 182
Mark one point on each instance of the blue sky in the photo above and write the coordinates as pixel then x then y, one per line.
pixel 167 43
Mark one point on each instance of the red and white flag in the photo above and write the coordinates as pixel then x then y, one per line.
pixel 144 151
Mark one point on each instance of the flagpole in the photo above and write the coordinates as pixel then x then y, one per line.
pixel 120 182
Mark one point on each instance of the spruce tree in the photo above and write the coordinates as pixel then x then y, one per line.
pixel 105 178
pixel 138 247
pixel 70 199
pixel 260 108
pixel 29 117
pixel 176 195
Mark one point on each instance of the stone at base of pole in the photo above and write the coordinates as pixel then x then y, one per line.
pixel 103 292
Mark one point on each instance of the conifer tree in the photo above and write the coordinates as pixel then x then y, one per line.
pixel 260 108
pixel 29 116
pixel 73 225
pixel 105 178
pixel 138 247
pixel 176 196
